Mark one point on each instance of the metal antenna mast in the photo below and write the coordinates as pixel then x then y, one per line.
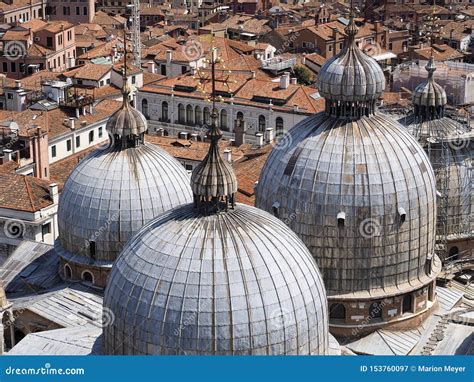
pixel 133 14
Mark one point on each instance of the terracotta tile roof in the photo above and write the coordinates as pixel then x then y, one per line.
pixel 248 172
pixel 102 50
pixel 92 72
pixel 53 120
pixel 60 170
pixel 16 35
pixel 57 26
pixel 9 167
pixel 104 19
pixel 36 50
pixel 441 52
pixel 34 24
pixel 316 59
pixel 24 193
pixel 190 150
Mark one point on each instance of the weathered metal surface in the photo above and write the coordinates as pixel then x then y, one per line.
pixel 238 282
pixel 111 194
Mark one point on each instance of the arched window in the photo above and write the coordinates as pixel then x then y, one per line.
pixel 67 272
pixel 337 312
pixel 164 111
pixel 189 115
pixel 198 115
pixel 407 303
pixel 224 120
pixel 181 116
pixel 87 277
pixel 240 115
pixel 375 310
pixel 261 123
pixel 145 108
pixel 279 126
pixel 207 116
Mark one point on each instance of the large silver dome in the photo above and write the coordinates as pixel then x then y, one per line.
pixel 216 278
pixel 359 191
pixel 233 283
pixel 111 194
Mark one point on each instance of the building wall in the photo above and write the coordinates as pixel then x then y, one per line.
pixel 72 11
pixel 25 13
pixel 61 146
pixel 250 115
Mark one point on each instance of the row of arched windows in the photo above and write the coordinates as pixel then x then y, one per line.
pixel 197 116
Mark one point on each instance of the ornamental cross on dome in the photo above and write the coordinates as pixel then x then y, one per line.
pixel 214 78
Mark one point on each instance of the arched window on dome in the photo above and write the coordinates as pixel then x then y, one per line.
pixel 67 272
pixel 223 120
pixel 337 312
pixel 207 116
pixel 164 112
pixel 181 114
pixel 375 310
pixel 145 108
pixel 407 305
pixel 88 277
pixel 279 126
pixel 198 115
pixel 262 123
pixel 189 115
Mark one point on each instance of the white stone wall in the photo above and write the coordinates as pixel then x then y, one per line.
pixel 250 115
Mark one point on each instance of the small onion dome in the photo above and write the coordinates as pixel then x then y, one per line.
pixel 213 181
pixel 233 283
pixel 429 98
pixel 127 125
pixel 351 78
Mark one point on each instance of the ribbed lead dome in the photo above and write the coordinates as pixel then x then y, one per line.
pixel 111 194
pixel 239 282
pixel 351 78
pixel 216 278
pixel 429 98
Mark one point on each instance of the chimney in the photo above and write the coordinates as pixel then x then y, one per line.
pixel 7 155
pixel 253 74
pixel 303 59
pixel 160 132
pixel 268 135
pixel 151 67
pixel 194 136
pixel 259 139
pixel 294 81
pixel 285 80
pixel 53 192
pixel 183 135
pixel 228 155
pixel 240 128
pixel 72 124
pixel 17 84
pixel 169 56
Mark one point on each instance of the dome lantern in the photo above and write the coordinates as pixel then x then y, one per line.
pixel 351 82
pixel 429 98
pixel 213 181
pixel 127 126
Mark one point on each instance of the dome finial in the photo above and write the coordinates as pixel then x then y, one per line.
pixel 351 29
pixel 430 66
pixel 213 181
pixel 125 87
